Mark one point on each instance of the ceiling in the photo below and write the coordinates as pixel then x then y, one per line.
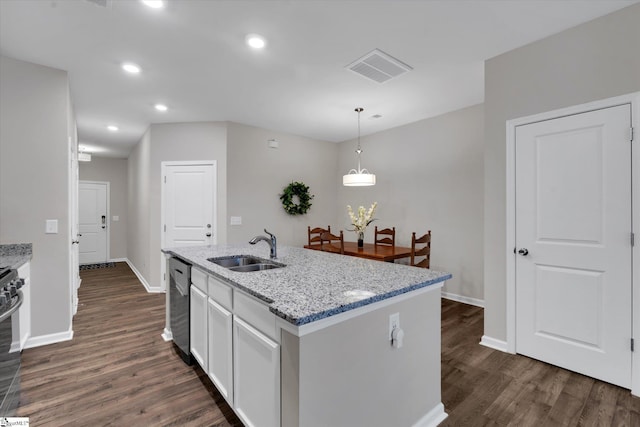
pixel 194 59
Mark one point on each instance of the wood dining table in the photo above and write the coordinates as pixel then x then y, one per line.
pixel 370 251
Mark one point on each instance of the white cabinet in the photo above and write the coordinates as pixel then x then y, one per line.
pixel 234 339
pixel 256 363
pixel 198 326
pixel 221 349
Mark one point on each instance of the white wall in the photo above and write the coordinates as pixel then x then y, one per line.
pixel 34 168
pixel 115 172
pixel 258 175
pixel 429 177
pixel 592 61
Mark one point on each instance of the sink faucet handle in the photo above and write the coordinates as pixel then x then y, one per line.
pixel 265 230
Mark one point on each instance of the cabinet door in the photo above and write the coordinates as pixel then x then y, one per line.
pixel 256 362
pixel 220 336
pixel 198 326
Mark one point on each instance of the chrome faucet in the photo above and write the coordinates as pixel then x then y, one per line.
pixel 271 241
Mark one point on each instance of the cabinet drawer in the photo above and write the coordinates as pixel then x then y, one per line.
pixel 255 313
pixel 221 293
pixel 199 279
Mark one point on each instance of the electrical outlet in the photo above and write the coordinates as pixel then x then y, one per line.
pixel 394 322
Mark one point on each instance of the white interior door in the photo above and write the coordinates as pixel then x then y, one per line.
pixel 93 222
pixel 573 229
pixel 188 199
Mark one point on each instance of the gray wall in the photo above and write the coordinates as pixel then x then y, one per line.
pixel 115 172
pixel 168 142
pixel 138 248
pixel 595 60
pixel 258 174
pixel 34 167
pixel 429 177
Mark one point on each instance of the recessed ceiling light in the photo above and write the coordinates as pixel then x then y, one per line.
pixel 154 4
pixel 112 128
pixel 161 107
pixel 256 41
pixel 131 68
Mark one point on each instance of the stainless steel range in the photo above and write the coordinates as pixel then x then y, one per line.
pixel 10 300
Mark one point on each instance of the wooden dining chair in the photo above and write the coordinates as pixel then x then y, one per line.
pixel 314 234
pixel 382 236
pixel 421 251
pixel 326 242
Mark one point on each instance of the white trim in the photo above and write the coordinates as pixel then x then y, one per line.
pixel 143 280
pixel 19 345
pixel 118 260
pixel 463 299
pixel 108 217
pixel 432 418
pixel 317 325
pixel 167 335
pixel 634 100
pixel 494 344
pixel 214 211
pixel 49 339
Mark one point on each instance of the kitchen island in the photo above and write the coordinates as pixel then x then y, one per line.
pixel 310 344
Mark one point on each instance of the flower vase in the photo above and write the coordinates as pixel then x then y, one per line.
pixel 360 239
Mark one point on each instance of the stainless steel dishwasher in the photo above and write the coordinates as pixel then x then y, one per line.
pixel 179 287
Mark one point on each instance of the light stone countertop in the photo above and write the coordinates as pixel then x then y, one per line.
pixel 312 286
pixel 15 255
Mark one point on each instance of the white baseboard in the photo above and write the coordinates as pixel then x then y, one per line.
pixel 142 280
pixel 167 335
pixel 49 339
pixel 463 299
pixel 118 260
pixel 433 417
pixel 494 343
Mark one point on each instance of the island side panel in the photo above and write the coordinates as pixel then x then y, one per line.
pixel 289 379
pixel 349 374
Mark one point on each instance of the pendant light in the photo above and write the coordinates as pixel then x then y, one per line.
pixel 359 177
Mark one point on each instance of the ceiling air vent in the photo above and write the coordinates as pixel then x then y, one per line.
pixel 378 66
pixel 101 3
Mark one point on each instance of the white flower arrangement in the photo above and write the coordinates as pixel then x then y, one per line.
pixel 363 219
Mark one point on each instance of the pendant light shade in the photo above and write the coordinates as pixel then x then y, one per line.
pixel 358 177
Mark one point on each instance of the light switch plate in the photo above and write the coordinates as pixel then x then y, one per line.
pixel 116 218
pixel 236 220
pixel 51 226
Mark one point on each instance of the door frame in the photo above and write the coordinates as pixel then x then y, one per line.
pixel 163 196
pixel 108 209
pixel 634 100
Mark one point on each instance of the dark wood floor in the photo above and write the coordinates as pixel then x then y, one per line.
pixel 485 387
pixel 119 371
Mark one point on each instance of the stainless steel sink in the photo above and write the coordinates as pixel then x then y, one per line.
pixel 254 267
pixel 245 263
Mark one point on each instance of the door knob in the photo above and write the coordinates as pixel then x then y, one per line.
pixel 524 251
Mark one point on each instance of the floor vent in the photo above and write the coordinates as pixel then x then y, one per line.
pixel 379 66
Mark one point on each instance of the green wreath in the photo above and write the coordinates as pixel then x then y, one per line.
pixel 304 198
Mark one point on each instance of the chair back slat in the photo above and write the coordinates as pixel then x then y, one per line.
pixel 381 239
pixel 314 234
pixel 424 251
pixel 327 239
